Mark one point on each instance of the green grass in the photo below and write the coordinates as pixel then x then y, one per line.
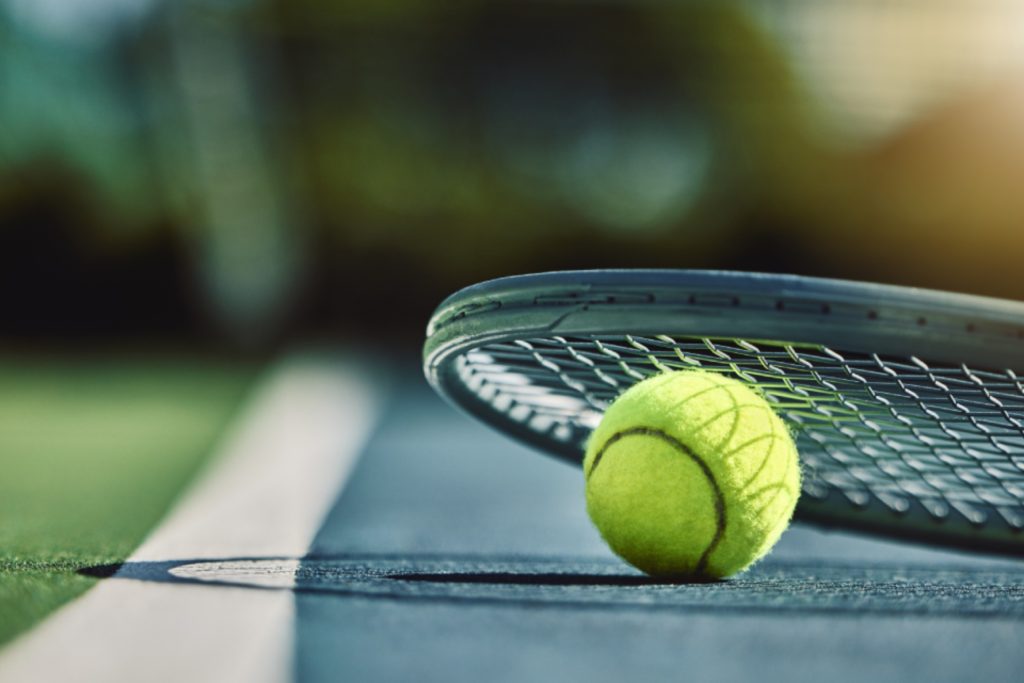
pixel 92 454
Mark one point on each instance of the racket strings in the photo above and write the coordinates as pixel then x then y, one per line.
pixel 900 431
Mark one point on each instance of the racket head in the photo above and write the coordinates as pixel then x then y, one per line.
pixel 906 404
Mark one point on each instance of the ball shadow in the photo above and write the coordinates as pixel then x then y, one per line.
pixel 545 579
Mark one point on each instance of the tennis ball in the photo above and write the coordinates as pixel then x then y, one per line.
pixel 691 475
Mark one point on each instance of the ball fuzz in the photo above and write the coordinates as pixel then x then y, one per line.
pixel 691 475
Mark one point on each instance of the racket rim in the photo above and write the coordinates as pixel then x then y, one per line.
pixel 572 302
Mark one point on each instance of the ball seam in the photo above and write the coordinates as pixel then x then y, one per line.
pixel 720 509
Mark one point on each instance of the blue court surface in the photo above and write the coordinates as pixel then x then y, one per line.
pixel 455 554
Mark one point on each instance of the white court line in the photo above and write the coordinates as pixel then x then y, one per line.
pixel 265 495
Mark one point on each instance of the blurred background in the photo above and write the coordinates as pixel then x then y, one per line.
pixel 189 187
pixel 238 173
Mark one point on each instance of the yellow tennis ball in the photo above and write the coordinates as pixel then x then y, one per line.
pixel 691 475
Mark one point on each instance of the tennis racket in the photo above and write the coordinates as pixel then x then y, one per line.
pixel 906 404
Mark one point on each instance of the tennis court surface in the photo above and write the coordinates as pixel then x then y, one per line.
pixel 353 526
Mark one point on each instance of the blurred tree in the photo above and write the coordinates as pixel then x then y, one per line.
pixel 354 162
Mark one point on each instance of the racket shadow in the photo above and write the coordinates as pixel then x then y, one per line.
pixel 579 584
